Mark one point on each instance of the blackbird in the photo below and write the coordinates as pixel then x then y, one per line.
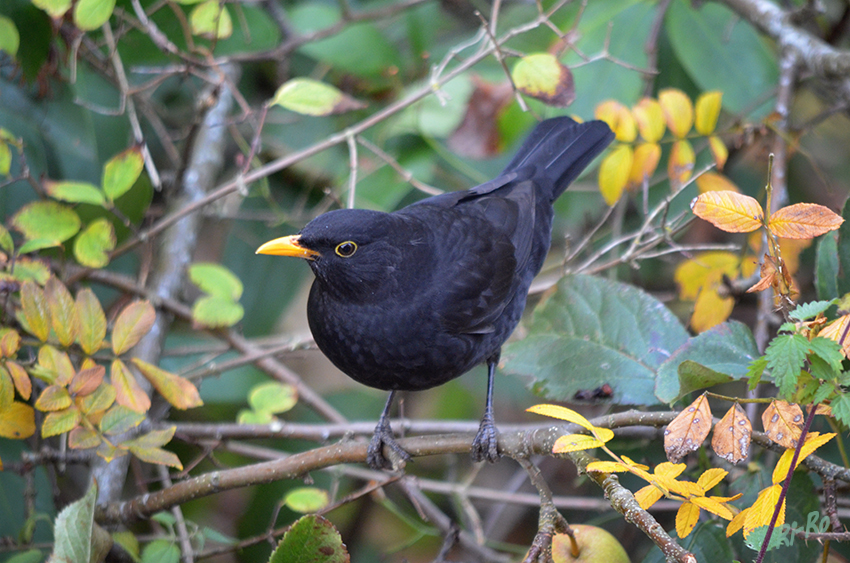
pixel 408 300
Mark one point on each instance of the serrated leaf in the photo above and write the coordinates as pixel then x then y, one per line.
pixel 120 419
pixel 92 321
pixel 272 397
pixel 783 423
pixel 74 528
pixel 178 391
pixel 761 512
pixel 544 77
pixel 91 14
pixel 311 538
pixel 92 247
pixel 35 270
pixel 730 211
pixel 311 97
pixel 216 280
pixel 99 400
pixel 63 313
pixel 210 19
pixel 53 398
pixel 216 312
pixel 614 172
pixel 86 381
pixel 306 499
pixel 806 311
pixel 134 321
pixel 10 342
pixel 82 438
pixel 161 551
pixel 147 448
pixel 561 413
pixel 21 379
pixel 59 422
pixel 707 111
pixel 128 392
pixel 688 430
pixel 686 518
pixel 75 192
pixel 733 435
pixel 36 313
pixel 786 355
pixel 827 350
pixel 7 388
pixel 804 221
pixel 814 440
pixel 841 408
pixel 57 364
pixel 121 171
pixel 46 220
pixel 575 443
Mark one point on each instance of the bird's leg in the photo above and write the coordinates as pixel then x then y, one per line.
pixel 383 436
pixel 485 444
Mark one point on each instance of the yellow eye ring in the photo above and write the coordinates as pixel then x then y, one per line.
pixel 346 249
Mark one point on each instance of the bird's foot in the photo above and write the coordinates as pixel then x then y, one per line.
pixel 383 436
pixel 486 442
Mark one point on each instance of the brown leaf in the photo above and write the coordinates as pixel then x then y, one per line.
pixel 804 220
pixel 134 321
pixel 478 135
pixel 688 430
pixel 180 392
pixel 127 389
pixel 63 313
pixel 92 321
pixel 733 435
pixel 783 423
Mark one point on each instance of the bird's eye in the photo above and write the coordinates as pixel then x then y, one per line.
pixel 346 249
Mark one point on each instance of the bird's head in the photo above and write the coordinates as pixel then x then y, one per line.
pixel 353 252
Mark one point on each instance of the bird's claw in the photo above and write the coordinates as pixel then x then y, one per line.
pixel 383 436
pixel 486 442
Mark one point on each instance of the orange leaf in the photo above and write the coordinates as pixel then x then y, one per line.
pixel 718 150
pixel 834 331
pixel 733 435
pixel 680 165
pixel 17 421
pixel 803 221
pixel 21 378
pixel 619 119
pixel 645 161
pixel 127 389
pixel 178 391
pixel 650 120
pixel 688 430
pixel 86 381
pixel 135 321
pixel 686 518
pixel 10 341
pixel 678 111
pixel 707 111
pixel 714 182
pixel 614 173
pixel 730 211
pixel 783 423
pixel 63 313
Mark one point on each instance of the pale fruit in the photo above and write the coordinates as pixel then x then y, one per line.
pixel 595 545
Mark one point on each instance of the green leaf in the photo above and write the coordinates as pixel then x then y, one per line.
pixel 75 192
pixel 311 97
pixel 92 247
pixel 826 267
pixel 6 242
pixel 59 422
pixel 728 348
pixel 544 77
pixel 841 408
pixel 29 556
pixel 738 62
pixel 91 14
pixel 120 419
pixel 73 529
pixel 311 539
pixel 38 244
pixel 34 270
pixel 844 251
pixel 129 543
pixel 216 312
pixel 272 397
pixel 785 356
pixel 215 280
pixel 306 500
pixel 54 8
pixel 210 19
pixel 34 310
pixel 63 312
pixel 48 220
pixel 121 172
pixel 248 416
pixel 828 350
pixel 591 332
pixel 161 551
pixel 5 150
pixel 806 311
pixel 10 39
pixel 147 449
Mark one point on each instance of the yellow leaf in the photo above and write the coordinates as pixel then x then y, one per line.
pixel 671 470
pixel 607 467
pixel 650 119
pixel 813 441
pixel 36 313
pixel 21 379
pixel 648 495
pixel 543 76
pixel 711 477
pixel 730 211
pixel 712 505
pixel 737 522
pixel 633 464
pixel 678 111
pixel 575 443
pixel 127 389
pixel 53 398
pixel 705 269
pixel 178 391
pixel 804 221
pixel 59 422
pixel 619 119
pixel 63 313
pixel 714 182
pixel 644 163
pixel 134 321
pixel 17 421
pixel 92 321
pixel 710 309
pixel 686 518
pixel 680 165
pixel 707 111
pixel 561 413
pixel 718 150
pixel 614 173
pixel 835 330
pixel 761 512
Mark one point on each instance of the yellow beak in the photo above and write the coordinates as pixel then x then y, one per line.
pixel 287 246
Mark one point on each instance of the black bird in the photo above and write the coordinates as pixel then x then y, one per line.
pixel 408 300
